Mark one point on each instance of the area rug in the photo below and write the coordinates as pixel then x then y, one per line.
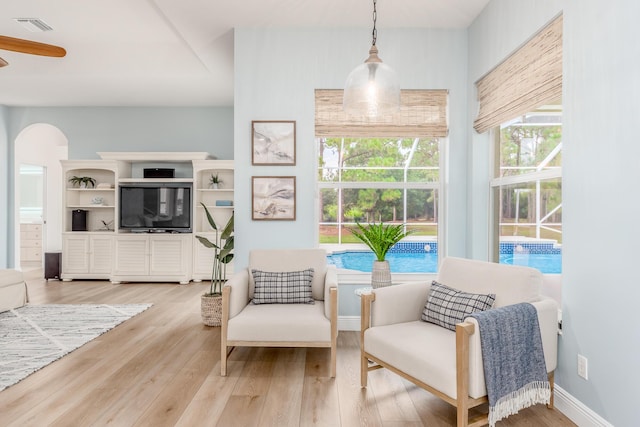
pixel 33 336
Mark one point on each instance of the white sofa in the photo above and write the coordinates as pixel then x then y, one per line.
pixel 246 324
pixel 13 290
pixel 447 363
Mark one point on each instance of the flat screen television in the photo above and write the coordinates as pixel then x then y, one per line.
pixel 155 207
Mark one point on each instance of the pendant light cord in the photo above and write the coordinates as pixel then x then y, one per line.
pixel 374 33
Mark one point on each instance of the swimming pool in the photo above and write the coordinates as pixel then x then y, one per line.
pixel 427 262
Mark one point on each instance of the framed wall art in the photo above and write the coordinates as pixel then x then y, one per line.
pixel 273 198
pixel 273 143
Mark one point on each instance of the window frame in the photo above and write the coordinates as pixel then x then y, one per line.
pixel 497 182
pixel 438 186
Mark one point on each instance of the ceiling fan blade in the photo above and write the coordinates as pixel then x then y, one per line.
pixel 3 63
pixel 30 47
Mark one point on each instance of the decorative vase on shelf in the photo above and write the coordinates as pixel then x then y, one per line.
pixel 213 186
pixel 380 274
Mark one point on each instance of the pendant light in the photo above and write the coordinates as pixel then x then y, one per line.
pixel 372 88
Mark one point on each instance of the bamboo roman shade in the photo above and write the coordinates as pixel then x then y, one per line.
pixel 423 113
pixel 529 78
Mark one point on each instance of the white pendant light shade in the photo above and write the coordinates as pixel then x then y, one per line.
pixel 372 88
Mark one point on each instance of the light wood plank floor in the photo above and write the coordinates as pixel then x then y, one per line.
pixel 161 368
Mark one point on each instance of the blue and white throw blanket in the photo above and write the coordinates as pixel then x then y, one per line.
pixel 514 369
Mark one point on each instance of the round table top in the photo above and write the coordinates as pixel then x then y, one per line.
pixel 361 291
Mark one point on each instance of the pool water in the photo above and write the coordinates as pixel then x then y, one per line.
pixel 400 262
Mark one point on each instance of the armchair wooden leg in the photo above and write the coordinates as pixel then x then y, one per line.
pixel 365 322
pixel 364 371
pixel 226 295
pixel 463 414
pixel 551 380
pixel 333 361
pixel 333 295
pixel 223 361
pixel 463 330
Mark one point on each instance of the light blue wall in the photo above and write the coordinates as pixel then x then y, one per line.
pixel 502 27
pixel 276 73
pixel 4 180
pixel 601 167
pixel 600 176
pixel 93 129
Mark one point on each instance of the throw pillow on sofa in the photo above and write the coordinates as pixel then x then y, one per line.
pixel 286 287
pixel 447 306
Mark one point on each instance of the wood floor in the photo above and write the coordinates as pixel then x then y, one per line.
pixel 161 368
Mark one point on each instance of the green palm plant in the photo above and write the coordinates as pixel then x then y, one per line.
pixel 222 254
pixel 380 237
pixel 79 180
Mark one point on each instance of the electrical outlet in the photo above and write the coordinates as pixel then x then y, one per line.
pixel 583 370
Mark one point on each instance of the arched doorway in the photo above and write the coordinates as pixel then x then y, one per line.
pixel 38 150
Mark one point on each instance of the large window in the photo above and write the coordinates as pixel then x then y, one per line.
pixel 527 190
pixel 381 169
pixel 379 179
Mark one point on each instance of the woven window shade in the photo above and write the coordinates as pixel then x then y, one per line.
pixel 529 78
pixel 423 113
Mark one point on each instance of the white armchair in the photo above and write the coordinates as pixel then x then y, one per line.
pixel 246 324
pixel 446 363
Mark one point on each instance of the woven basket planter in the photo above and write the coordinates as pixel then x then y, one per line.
pixel 211 310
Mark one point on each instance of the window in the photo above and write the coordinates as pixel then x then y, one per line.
pixel 393 180
pixel 381 169
pixel 527 190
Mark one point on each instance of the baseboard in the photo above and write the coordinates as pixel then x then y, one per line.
pixel 576 411
pixel 348 323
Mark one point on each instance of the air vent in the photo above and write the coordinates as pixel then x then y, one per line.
pixel 33 24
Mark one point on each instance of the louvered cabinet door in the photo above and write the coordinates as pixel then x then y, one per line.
pixel 168 255
pixel 75 254
pixel 100 254
pixel 132 256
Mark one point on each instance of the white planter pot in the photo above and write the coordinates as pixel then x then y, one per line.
pixel 381 274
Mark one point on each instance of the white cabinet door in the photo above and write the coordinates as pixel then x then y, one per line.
pixel 75 254
pixel 100 254
pixel 132 256
pixel 168 255
pixel 202 258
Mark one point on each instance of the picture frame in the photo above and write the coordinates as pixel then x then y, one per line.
pixel 273 198
pixel 273 143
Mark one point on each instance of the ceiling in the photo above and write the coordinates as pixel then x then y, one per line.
pixel 173 52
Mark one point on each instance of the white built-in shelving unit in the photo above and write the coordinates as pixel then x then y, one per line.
pixel 103 251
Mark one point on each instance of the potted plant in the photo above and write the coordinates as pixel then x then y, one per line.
pixel 380 238
pixel 214 181
pixel 211 302
pixel 82 181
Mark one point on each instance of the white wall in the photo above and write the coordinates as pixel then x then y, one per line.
pixel 276 73
pixel 43 145
pixel 601 172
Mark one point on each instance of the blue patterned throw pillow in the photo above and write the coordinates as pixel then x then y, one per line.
pixel 288 287
pixel 447 306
